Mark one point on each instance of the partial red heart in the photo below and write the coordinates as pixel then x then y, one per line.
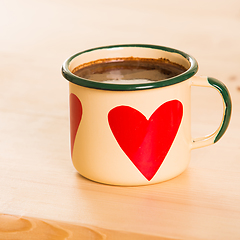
pixel 75 117
pixel 146 142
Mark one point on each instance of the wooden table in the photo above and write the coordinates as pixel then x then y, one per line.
pixel 41 194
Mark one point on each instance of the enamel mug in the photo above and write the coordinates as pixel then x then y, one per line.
pixel 136 134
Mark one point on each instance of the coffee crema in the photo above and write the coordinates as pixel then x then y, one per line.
pixel 128 70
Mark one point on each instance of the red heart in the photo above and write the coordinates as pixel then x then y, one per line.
pixel 75 117
pixel 146 142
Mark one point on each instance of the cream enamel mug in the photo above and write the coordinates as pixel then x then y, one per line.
pixel 139 133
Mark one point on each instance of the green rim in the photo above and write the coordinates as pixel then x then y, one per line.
pixel 130 87
pixel 228 105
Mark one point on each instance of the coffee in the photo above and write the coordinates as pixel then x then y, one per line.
pixel 129 70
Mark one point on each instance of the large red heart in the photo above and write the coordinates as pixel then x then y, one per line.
pixel 146 142
pixel 75 117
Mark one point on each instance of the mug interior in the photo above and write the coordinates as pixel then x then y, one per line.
pixel 125 51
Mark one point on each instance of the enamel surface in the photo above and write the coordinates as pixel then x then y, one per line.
pixel 97 155
pixel 95 152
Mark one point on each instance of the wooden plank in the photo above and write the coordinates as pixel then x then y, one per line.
pixel 37 179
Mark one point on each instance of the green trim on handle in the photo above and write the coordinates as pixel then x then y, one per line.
pixel 228 105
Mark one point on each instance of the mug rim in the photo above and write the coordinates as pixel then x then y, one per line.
pixel 130 87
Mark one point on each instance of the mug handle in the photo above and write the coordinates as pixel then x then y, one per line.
pixel 227 105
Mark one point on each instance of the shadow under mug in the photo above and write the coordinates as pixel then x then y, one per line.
pixel 136 134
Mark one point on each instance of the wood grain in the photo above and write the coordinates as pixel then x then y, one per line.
pixel 39 187
pixel 23 228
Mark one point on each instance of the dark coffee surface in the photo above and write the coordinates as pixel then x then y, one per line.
pixel 125 70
